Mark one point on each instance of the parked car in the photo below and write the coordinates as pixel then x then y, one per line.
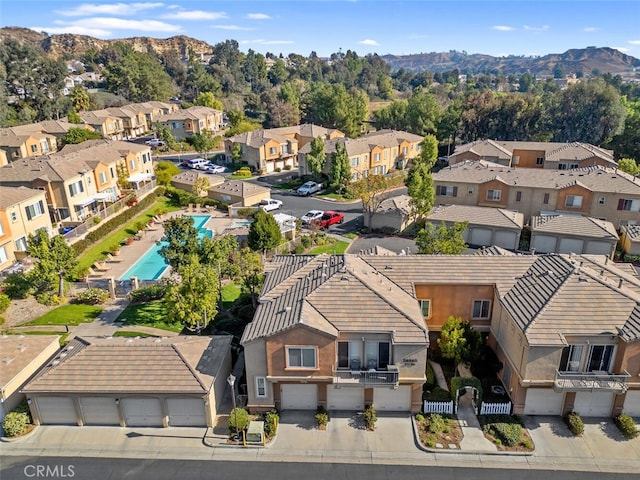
pixel 213 168
pixel 270 204
pixel 155 142
pixel 329 218
pixel 197 163
pixel 311 215
pixel 308 188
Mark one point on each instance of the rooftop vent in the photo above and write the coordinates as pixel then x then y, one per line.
pixel 7 360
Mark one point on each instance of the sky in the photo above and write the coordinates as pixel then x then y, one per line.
pixel 499 28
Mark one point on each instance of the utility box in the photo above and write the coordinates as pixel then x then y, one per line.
pixel 255 433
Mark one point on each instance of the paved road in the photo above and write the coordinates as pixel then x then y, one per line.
pixel 17 468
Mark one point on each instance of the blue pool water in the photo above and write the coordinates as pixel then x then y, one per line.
pixel 151 265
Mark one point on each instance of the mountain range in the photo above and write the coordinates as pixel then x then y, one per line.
pixel 574 61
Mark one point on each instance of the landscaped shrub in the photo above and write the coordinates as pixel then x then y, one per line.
pixel 370 418
pixel 437 395
pixel 575 423
pixel 419 417
pixel 147 294
pixel 92 296
pixel 5 301
pixel 271 420
pixel 18 285
pixel 436 423
pixel 626 425
pixel 49 299
pixel 15 423
pixel 305 240
pixel 238 420
pixel 508 433
pixel 322 417
pixel 299 249
pixel 287 167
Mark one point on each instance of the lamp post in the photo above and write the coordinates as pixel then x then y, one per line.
pixel 231 380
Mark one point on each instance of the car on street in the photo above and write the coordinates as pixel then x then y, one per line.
pixel 155 142
pixel 308 188
pixel 270 204
pixel 196 163
pixel 329 218
pixel 311 215
pixel 213 168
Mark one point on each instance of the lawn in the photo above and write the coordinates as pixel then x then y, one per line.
pixel 152 314
pixel 101 249
pixel 335 248
pixel 72 314
pixel 230 293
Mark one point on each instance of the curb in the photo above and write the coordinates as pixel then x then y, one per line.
pixel 20 437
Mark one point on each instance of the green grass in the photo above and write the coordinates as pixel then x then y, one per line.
pixel 127 333
pixel 337 248
pixel 351 235
pixel 230 293
pixel 101 249
pixel 72 314
pixel 234 176
pixel 152 314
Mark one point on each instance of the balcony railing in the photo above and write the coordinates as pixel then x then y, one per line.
pixel 581 381
pixel 362 378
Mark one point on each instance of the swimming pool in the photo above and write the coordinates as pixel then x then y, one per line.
pixel 151 265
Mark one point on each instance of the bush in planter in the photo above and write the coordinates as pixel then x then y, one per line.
pixel 238 420
pixel 626 425
pixel 575 423
pixel 147 294
pixel 508 433
pixel 92 296
pixel 15 423
pixel 436 423
pixel 370 418
pixel 271 420
pixel 50 299
pixel 322 417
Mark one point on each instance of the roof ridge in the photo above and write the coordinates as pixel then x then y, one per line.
pixel 188 365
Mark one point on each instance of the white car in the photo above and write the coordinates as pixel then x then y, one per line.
pixel 213 168
pixel 308 188
pixel 271 204
pixel 155 142
pixel 311 215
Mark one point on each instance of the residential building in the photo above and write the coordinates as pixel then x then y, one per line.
pixel 182 387
pixel 134 120
pixel 599 192
pixel 23 211
pixel 186 180
pixel 239 193
pixel 185 123
pixel 573 234
pixel 108 125
pixel 153 111
pixel 22 142
pixel 550 155
pixel 630 239
pixel 394 214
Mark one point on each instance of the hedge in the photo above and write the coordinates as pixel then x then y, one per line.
pixel 184 198
pixel 575 423
pixel 626 425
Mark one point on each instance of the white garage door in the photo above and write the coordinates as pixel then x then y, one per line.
pixel 569 245
pixel 632 403
pixel 480 237
pixel 593 404
pixel 506 240
pixel 142 412
pixel 57 411
pixel 345 398
pixel 99 411
pixel 392 400
pixel 543 243
pixel 599 248
pixel 299 397
pixel 186 412
pixel 543 401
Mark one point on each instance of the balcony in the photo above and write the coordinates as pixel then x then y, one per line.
pixel 367 378
pixel 585 381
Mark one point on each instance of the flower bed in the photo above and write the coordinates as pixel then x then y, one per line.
pixel 438 431
pixel 507 432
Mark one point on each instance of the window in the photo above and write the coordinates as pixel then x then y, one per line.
pixel 1 229
pixel 494 195
pixel 113 175
pixel 103 177
pixel 349 355
pixel 426 307
pixel 3 255
pixel 301 357
pixel 132 164
pixel 539 160
pixel 568 166
pixel 601 200
pixel 272 150
pixel 600 357
pixel 76 188
pixel 34 210
pixel 629 205
pixel 34 149
pixel 376 157
pixel 570 360
pixel 518 196
pixel 404 150
pixel 546 199
pixel 446 191
pixel 481 308
pixel 355 161
pixel 21 244
pixel 573 201
pixel 376 355
pixel 261 387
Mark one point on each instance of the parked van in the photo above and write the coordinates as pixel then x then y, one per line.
pixel 196 162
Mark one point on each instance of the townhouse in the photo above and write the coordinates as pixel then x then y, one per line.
pixel 193 120
pixel 549 155
pixel 102 121
pixel 23 211
pixel 134 121
pixel 344 331
pixel 600 192
pixel 375 153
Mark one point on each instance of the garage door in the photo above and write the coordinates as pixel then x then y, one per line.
pixel 345 398
pixel 99 411
pixel 599 248
pixel 299 397
pixel 392 400
pixel 569 245
pixel 543 401
pixel 506 240
pixel 57 411
pixel 593 404
pixel 186 412
pixel 543 243
pixel 480 237
pixel 142 412
pixel 632 403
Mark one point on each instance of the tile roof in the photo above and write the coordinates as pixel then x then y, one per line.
pixel 18 351
pixel 633 231
pixel 400 205
pixel 306 130
pixel 365 143
pixel 485 216
pixel 182 364
pixel 574 225
pixel 53 168
pixel 259 138
pixel 10 196
pixel 238 187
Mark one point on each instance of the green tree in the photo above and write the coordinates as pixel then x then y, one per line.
pixel 79 98
pixel 183 243
pixel 370 191
pixel 78 135
pixel 316 157
pixel 428 151
pixel 208 99
pixel 248 265
pixel 193 300
pixel 420 189
pixel 452 341
pixel 423 113
pixel 236 152
pixel 55 261
pixel 340 168
pixel 165 171
pixel 264 232
pixel 385 87
pixel 218 252
pixel 201 187
pixel 74 117
pixel 204 142
pixel 629 165
pixel 442 240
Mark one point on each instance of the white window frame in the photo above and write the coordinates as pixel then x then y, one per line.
pixel 574 358
pixel 3 255
pixel 103 177
pixel 1 229
pixel 602 200
pixel 21 244
pixel 606 368
pixel 14 216
pixel 494 195
pixel 481 302
pixel 261 387
pixel 426 303
pixel 572 203
pixel 272 150
pixel 539 160
pixel 132 163
pixel 376 157
pixel 302 348
pixel 75 188
pixel 34 210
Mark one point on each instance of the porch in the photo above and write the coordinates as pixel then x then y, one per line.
pixel 596 380
pixel 365 378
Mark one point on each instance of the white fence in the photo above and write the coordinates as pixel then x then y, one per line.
pixel 438 407
pixel 495 408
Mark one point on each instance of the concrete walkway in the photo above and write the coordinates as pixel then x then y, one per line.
pixel 473 440
pixel 440 379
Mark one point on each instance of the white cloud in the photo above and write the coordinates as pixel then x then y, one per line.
pixel 621 49
pixel 370 42
pixel 109 24
pixel 530 28
pixel 87 9
pixel 590 29
pixel 634 42
pixel 258 16
pixel 75 29
pixel 230 27
pixel 503 28
pixel 194 15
